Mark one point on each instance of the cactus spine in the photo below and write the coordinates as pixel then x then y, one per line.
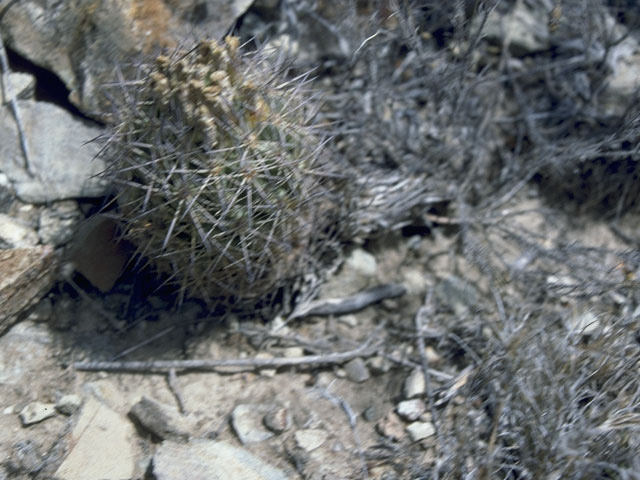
pixel 221 179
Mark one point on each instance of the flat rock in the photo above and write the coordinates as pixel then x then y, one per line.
pixel 36 412
pixel 103 446
pixel 64 165
pixel 210 460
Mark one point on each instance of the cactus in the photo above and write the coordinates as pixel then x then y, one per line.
pixel 222 181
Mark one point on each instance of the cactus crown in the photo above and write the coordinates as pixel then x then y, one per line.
pixel 222 181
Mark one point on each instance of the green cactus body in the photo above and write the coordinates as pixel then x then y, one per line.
pixel 221 180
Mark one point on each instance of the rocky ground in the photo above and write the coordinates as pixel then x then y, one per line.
pixel 483 321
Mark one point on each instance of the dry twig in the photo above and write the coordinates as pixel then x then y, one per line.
pixel 354 303
pixel 8 93
pixel 164 366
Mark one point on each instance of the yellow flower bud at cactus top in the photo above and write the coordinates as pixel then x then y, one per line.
pixel 222 183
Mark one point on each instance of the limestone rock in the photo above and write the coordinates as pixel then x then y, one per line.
pixel 210 460
pixel 36 412
pixel 64 165
pixel 420 430
pixel 103 446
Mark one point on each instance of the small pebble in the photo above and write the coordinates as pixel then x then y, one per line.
pixel 357 370
pixel 432 356
pixel 164 421
pixel 277 420
pixel 68 404
pixel 293 352
pixel 379 365
pixel 411 409
pixel 369 413
pixel 414 385
pixel 420 430
pixel 36 412
pixel 348 320
pixel 310 439
pixel 266 372
pixel 247 421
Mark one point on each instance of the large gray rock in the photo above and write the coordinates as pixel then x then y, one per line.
pixel 210 460
pixel 78 40
pixel 63 163
pixel 82 40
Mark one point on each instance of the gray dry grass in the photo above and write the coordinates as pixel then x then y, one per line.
pixel 474 124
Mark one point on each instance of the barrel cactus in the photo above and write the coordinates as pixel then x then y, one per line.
pixel 221 178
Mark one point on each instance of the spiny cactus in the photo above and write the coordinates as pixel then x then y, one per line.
pixel 222 181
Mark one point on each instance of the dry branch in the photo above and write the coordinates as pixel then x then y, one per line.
pixel 165 366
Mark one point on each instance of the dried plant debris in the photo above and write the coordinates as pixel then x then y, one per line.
pixel 544 402
pixel 469 109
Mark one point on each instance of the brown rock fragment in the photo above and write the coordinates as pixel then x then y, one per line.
pixel 26 274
